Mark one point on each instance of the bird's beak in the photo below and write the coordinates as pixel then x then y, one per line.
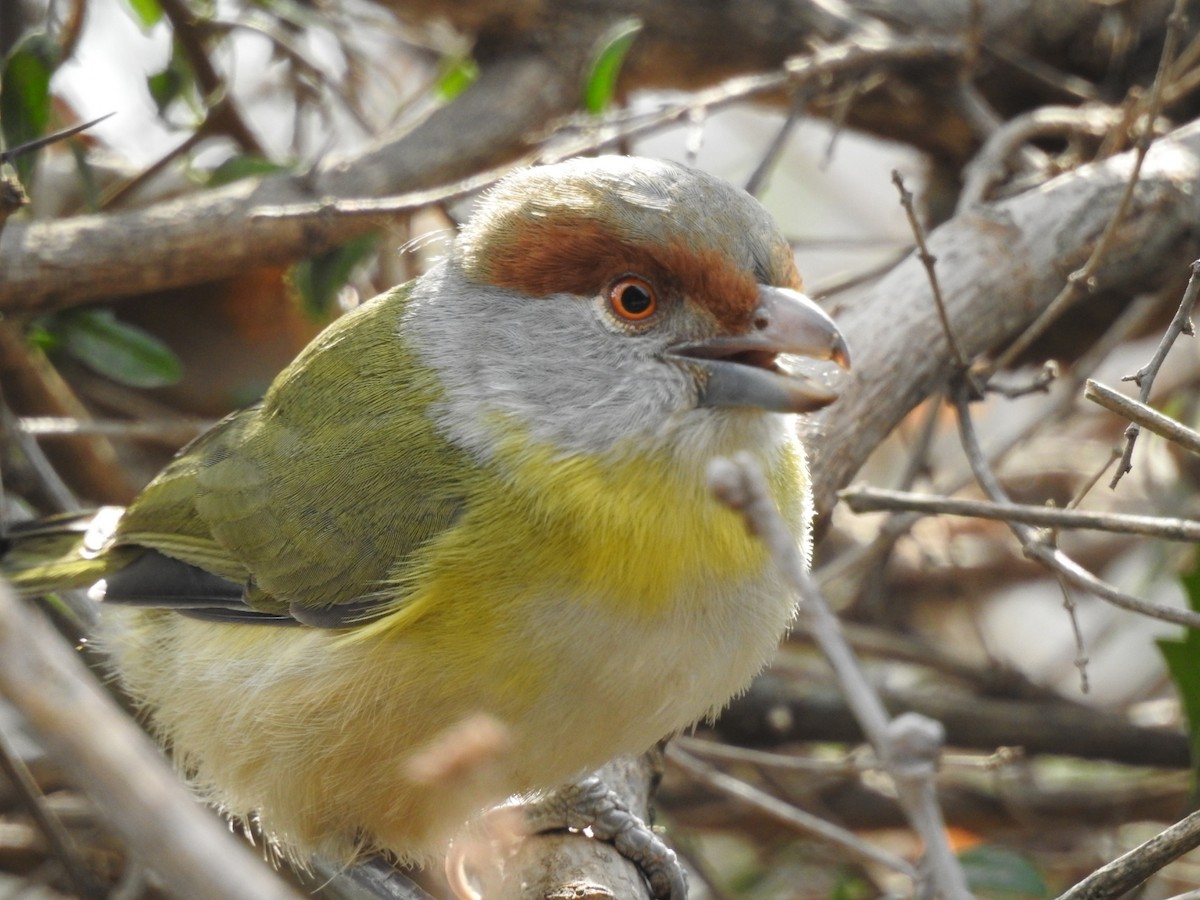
pixel 751 369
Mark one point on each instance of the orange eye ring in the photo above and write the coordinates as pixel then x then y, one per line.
pixel 632 298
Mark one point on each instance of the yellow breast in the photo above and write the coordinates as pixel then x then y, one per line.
pixel 636 531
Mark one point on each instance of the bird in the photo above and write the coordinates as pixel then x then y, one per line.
pixel 482 492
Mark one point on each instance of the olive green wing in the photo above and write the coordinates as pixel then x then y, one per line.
pixel 307 501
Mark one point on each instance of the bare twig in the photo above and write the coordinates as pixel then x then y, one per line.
pixel 1083 279
pixel 798 71
pixel 928 260
pixel 119 767
pixel 768 760
pixel 1064 82
pixel 785 813
pixel 1144 377
pixel 838 283
pixel 265 26
pixel 175 431
pixel 1036 548
pixel 383 206
pixel 869 499
pixel 59 839
pixel 1065 394
pixel 771 153
pixel 871 572
pixel 188 33
pixel 1128 871
pixel 1069 606
pixel 1087 486
pixel 1143 415
pixel 12 196
pixel 49 480
pixel 989 165
pixel 909 745
pixel 46 140
pixel 782 708
pixel 1039 384
pixel 1180 324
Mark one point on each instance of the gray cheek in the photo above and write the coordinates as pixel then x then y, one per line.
pixel 547 363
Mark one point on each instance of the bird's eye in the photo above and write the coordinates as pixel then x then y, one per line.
pixel 632 298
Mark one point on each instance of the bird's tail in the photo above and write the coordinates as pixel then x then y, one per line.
pixel 59 552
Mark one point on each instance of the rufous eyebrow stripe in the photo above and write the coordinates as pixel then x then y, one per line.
pixel 579 255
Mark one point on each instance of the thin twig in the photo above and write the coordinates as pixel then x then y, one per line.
pixel 909 745
pixel 385 206
pixel 1180 324
pixel 46 140
pixel 869 499
pixel 786 813
pixel 1039 384
pixel 267 28
pixel 989 165
pixel 871 587
pixel 854 56
pixel 797 71
pixel 59 493
pixel 1141 414
pixel 1128 871
pixel 1072 86
pixel 928 260
pixel 177 430
pixel 1084 278
pixel 770 155
pixel 1144 377
pixel 1036 548
pixel 1081 658
pixel 188 27
pixel 766 759
pixel 1092 482
pixel 59 839
pixel 838 283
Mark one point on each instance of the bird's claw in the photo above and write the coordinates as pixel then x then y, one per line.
pixel 590 804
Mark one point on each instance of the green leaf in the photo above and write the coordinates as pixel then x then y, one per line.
pixel 1182 657
pixel 851 885
pixel 238 167
pixel 25 96
pixel 164 87
pixel 115 349
pixel 456 75
pixel 41 337
pixel 177 81
pixel 147 12
pixel 609 56
pixel 999 872
pixel 318 280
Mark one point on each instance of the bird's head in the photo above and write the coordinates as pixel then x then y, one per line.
pixel 615 296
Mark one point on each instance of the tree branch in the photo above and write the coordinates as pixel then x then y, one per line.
pixel 119 767
pixel 998 270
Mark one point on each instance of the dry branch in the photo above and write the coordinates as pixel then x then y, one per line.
pixel 868 499
pixel 999 265
pixel 1143 415
pixel 1130 870
pixel 49 265
pixel 908 746
pixel 119 767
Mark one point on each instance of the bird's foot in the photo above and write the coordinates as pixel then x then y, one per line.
pixel 589 804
